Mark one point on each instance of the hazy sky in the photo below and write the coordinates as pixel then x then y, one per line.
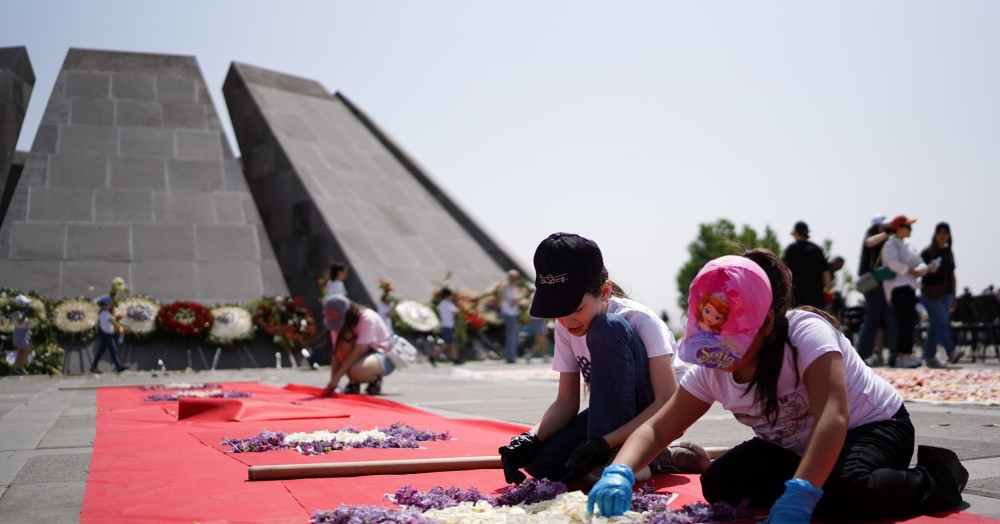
pixel 627 122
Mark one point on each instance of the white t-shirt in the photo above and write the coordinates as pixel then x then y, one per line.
pixel 371 330
pixel 572 353
pixel 508 301
pixel 446 312
pixel 869 397
pixel 335 287
pixel 104 319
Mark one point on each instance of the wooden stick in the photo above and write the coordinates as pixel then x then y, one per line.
pixel 383 467
pixel 714 453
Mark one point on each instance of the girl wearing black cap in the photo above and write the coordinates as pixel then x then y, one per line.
pixel 623 352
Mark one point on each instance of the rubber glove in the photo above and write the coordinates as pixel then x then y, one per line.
pixel 613 493
pixel 520 452
pixel 591 453
pixel 796 504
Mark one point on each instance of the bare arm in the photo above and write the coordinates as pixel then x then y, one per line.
pixel 642 446
pixel 827 389
pixel 661 371
pixel 876 239
pixel 563 409
pixel 352 356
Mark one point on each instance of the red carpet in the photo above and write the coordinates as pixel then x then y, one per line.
pixel 151 465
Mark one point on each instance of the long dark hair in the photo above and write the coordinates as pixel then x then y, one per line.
pixel 595 286
pixel 936 250
pixel 351 318
pixel 772 351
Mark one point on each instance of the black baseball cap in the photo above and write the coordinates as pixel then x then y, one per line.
pixel 565 265
pixel 802 228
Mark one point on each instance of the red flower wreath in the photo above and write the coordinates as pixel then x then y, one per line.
pixel 287 320
pixel 185 318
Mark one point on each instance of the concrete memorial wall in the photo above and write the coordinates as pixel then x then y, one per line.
pixel 17 79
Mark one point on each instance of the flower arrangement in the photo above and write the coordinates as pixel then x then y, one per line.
pixel 185 318
pixel 207 393
pixel 118 289
pixel 397 435
pixel 75 319
pixel 179 385
pixel 532 501
pixel 37 312
pixel 286 319
pixel 414 316
pixel 232 324
pixel 138 315
pixel 388 292
pixel 45 359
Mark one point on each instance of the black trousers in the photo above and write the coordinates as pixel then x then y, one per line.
pixel 904 303
pixel 871 479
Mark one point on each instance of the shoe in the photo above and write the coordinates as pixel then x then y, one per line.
pixel 685 457
pixel 119 369
pixel 433 360
pixel 95 371
pixel 907 361
pixel 950 476
pixel 374 387
pixel 875 360
pixel 20 371
pixel 935 363
pixel 458 362
pixel 546 359
pixel 956 356
pixel 352 388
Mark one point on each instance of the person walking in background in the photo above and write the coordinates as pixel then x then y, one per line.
pixel 446 310
pixel 878 314
pixel 624 354
pixel 108 327
pixel 901 291
pixel 360 341
pixel 335 281
pixel 811 279
pixel 21 336
pixel 830 434
pixel 540 347
pixel 937 294
pixel 510 311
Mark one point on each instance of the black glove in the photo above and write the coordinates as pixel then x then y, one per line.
pixel 520 452
pixel 590 454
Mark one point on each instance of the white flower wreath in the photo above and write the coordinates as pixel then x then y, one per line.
pixel 232 324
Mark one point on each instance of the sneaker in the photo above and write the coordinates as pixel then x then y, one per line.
pixel 20 371
pixel 685 457
pixel 352 388
pixel 374 387
pixel 95 371
pixel 119 369
pixel 956 356
pixel 907 361
pixel 935 363
pixel 433 360
pixel 950 476
pixel 874 361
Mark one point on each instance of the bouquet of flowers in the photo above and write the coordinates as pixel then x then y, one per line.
pixel 75 319
pixel 286 319
pixel 232 324
pixel 185 318
pixel 138 315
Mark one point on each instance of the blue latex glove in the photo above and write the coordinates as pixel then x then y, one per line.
pixel 613 493
pixel 795 505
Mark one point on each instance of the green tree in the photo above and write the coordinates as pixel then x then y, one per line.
pixel 715 240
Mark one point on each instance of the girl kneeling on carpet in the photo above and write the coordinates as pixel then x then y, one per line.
pixel 360 341
pixel 822 418
pixel 624 353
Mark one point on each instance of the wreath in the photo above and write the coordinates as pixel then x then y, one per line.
pixel 138 315
pixel 75 319
pixel 415 316
pixel 186 319
pixel 286 319
pixel 37 312
pixel 232 324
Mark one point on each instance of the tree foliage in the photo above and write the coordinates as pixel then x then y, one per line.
pixel 715 240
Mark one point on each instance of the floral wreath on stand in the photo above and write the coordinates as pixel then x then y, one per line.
pixel 232 324
pixel 138 314
pixel 286 319
pixel 75 319
pixel 185 318
pixel 38 317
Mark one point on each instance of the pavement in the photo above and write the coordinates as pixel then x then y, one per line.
pixel 47 425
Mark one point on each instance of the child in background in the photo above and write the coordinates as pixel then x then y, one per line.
pixel 446 312
pixel 335 284
pixel 831 435
pixel 108 326
pixel 21 336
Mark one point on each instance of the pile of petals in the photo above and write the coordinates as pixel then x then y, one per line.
pixel 180 385
pixel 534 501
pixel 945 385
pixel 398 435
pixel 206 393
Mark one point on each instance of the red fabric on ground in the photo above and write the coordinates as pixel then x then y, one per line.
pixel 149 466
pixel 240 409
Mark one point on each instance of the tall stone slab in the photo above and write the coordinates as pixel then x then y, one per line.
pixel 17 79
pixel 130 175
pixel 330 184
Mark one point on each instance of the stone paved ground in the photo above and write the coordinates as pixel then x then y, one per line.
pixel 47 425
